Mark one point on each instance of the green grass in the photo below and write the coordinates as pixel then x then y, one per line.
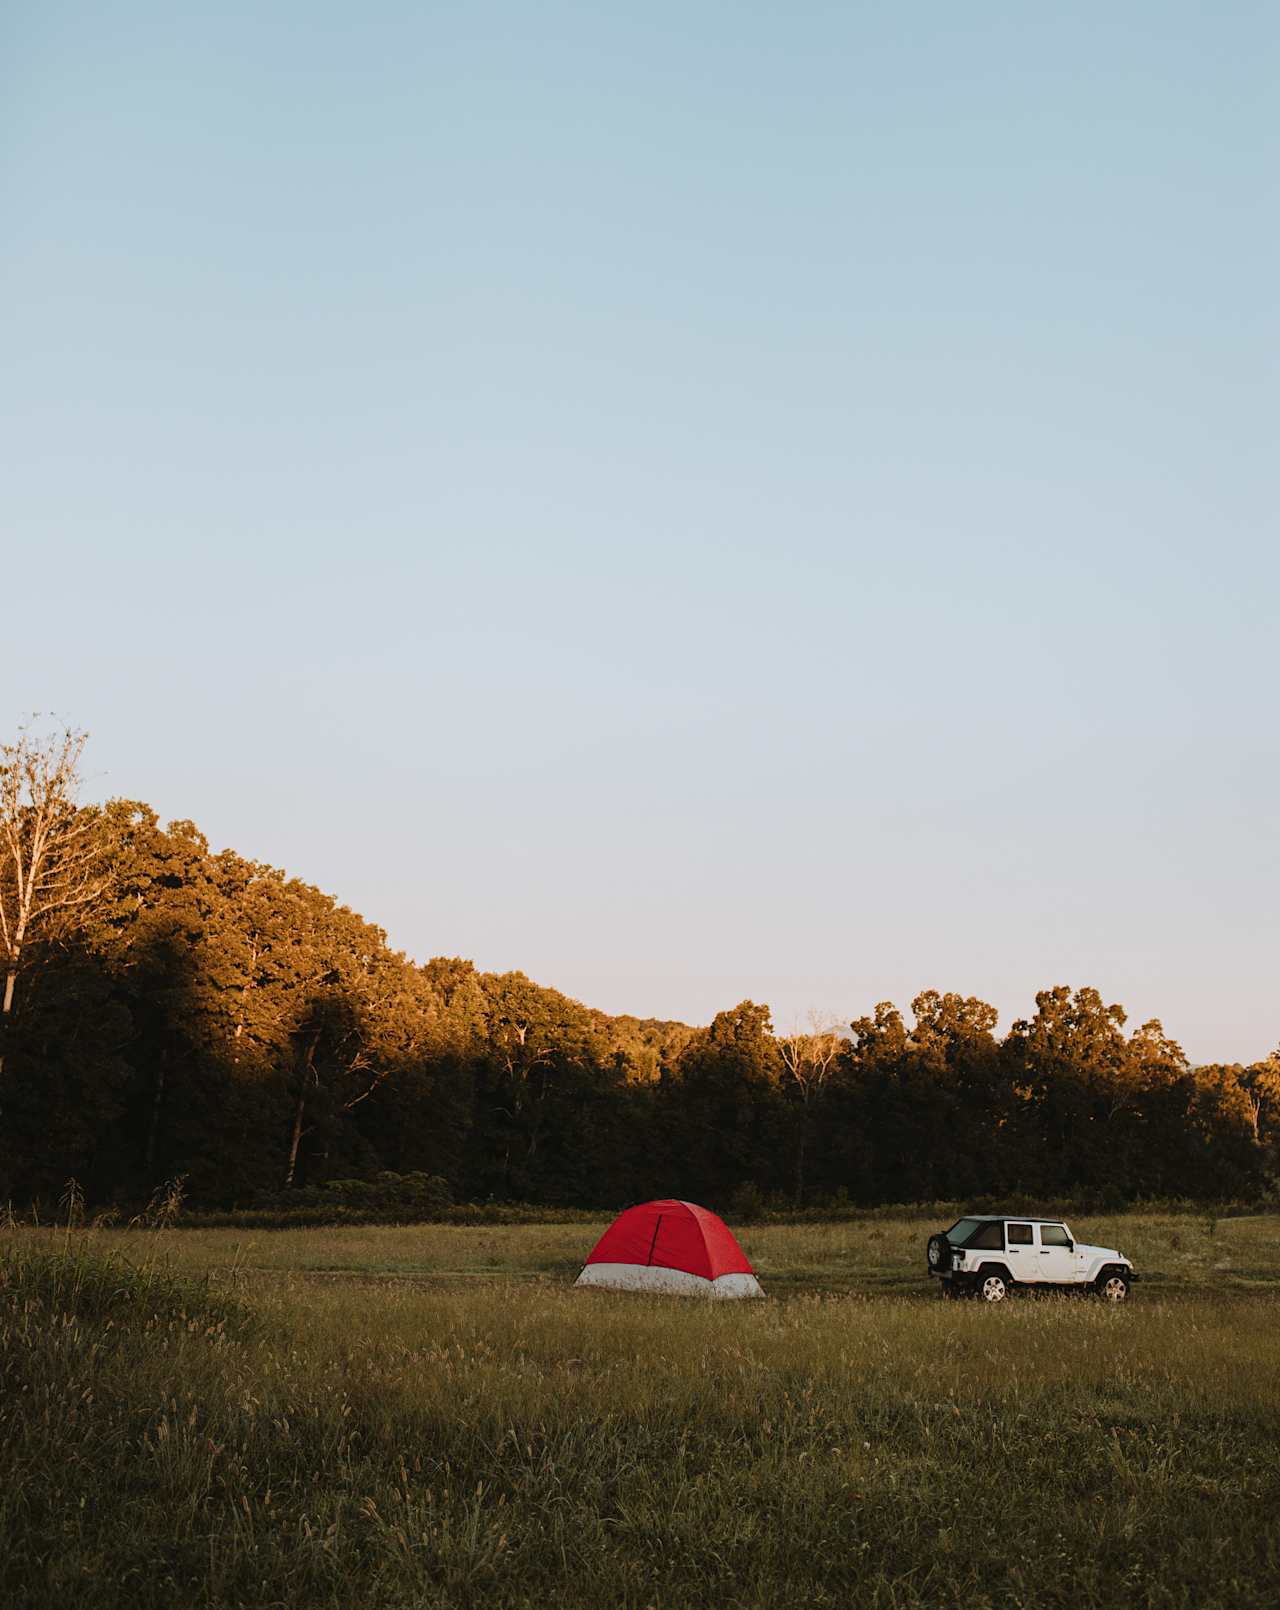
pixel 431 1416
pixel 1175 1253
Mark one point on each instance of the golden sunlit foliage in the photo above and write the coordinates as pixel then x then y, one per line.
pixel 172 1011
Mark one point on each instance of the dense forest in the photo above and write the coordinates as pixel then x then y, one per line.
pixel 172 1011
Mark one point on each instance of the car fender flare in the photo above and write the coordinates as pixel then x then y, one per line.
pixel 985 1269
pixel 1111 1267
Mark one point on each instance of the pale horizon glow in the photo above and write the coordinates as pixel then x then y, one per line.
pixel 703 503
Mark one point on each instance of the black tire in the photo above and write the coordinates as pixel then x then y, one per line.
pixel 1113 1286
pixel 994 1286
pixel 939 1253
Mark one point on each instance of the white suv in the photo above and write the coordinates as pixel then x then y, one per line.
pixel 988 1255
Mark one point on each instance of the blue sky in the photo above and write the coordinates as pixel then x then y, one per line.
pixel 690 501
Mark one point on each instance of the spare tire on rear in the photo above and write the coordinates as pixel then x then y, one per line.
pixel 939 1253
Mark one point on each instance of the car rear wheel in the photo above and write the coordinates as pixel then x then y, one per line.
pixel 1113 1287
pixel 993 1288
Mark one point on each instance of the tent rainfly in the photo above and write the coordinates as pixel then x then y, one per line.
pixel 675 1248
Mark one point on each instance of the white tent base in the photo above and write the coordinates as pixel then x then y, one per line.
pixel 665 1282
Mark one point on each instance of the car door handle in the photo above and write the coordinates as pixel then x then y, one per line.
pixel 1044 1254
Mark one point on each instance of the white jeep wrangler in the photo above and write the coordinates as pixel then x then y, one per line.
pixel 991 1254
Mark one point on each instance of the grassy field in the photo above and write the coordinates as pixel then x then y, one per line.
pixel 430 1417
pixel 1177 1254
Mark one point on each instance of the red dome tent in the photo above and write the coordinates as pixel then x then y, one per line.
pixel 676 1248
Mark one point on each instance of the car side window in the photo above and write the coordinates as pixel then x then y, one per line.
pixel 989 1237
pixel 1019 1235
pixel 1054 1235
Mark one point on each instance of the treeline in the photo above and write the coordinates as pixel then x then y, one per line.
pixel 198 1014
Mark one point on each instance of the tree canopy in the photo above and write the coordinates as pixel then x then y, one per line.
pixel 196 1013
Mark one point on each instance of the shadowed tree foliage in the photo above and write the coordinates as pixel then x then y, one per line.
pixel 201 1014
pixel 724 1107
pixel 810 1060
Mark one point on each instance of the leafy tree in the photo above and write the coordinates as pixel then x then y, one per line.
pixel 1068 1066
pixel 1261 1085
pixel 725 1106
pixel 50 853
pixel 544 1058
pixel 810 1060
pixel 172 1010
pixel 957 1073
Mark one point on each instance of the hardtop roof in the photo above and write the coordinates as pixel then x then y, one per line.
pixel 1019 1218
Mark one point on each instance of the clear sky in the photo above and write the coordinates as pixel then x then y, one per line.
pixel 689 500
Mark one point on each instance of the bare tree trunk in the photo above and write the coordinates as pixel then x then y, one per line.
pixel 244 998
pixel 804 1136
pixel 153 1124
pixel 299 1111
pixel 808 1058
pixel 50 859
pixel 6 1006
pixel 535 1133
pixel 296 1139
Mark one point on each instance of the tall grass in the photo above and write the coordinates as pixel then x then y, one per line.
pixel 171 1437
pixel 1174 1252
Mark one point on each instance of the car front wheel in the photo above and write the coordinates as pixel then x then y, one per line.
pixel 1113 1288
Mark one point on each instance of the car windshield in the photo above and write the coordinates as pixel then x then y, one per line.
pixel 961 1230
